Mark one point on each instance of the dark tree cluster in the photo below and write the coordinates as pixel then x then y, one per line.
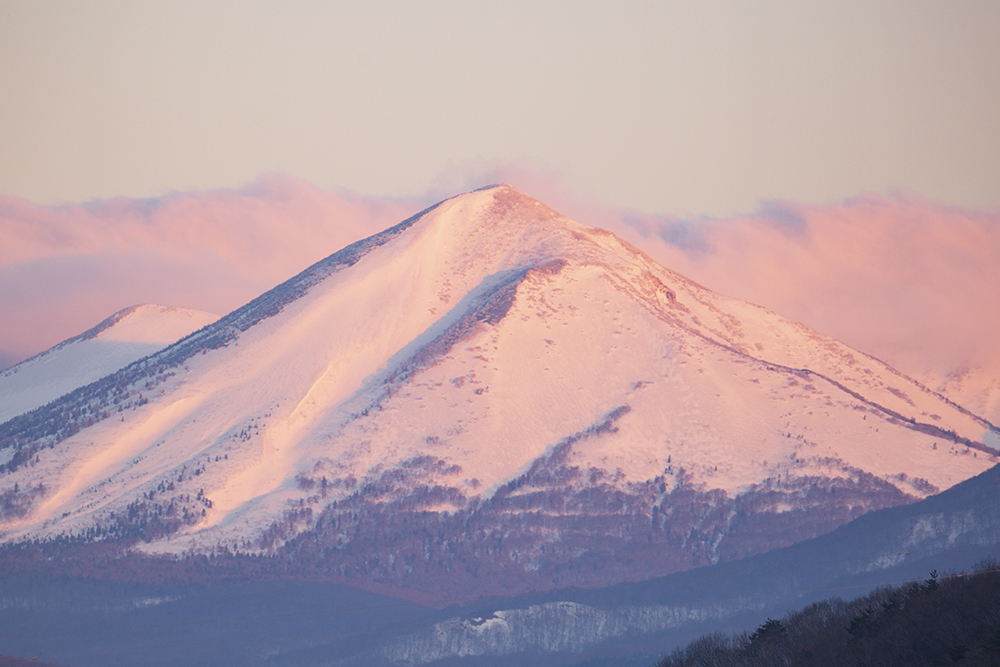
pixel 11 661
pixel 950 620
pixel 16 503
pixel 412 526
pixel 556 525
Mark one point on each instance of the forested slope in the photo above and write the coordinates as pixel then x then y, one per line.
pixel 949 620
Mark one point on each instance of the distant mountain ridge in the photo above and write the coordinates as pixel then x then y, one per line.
pixel 487 396
pixel 117 341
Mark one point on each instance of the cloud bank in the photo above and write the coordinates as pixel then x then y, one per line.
pixel 64 269
pixel 912 282
pixel 909 281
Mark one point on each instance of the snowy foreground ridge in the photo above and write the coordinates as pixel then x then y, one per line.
pixel 489 357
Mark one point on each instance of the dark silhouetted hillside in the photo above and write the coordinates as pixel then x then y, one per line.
pixel 949 620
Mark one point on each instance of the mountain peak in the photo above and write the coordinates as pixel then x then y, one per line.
pixel 507 199
pixel 495 208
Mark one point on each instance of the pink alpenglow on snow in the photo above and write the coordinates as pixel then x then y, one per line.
pixel 900 277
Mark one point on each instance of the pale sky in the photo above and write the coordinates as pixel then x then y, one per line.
pixel 836 162
pixel 684 109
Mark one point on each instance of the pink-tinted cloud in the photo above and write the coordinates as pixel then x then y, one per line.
pixel 63 269
pixel 909 281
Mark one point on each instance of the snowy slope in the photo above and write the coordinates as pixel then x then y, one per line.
pixel 126 336
pixel 490 361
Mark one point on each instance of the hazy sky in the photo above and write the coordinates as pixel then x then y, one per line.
pixel 687 109
pixel 837 162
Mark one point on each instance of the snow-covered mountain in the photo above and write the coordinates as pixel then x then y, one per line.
pixel 486 387
pixel 128 335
